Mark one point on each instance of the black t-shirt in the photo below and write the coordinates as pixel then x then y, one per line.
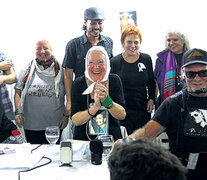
pixel 137 79
pixel 185 122
pixel 79 103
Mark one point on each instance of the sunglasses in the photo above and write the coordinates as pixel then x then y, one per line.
pixel 192 74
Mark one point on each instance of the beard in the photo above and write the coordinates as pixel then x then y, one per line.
pixel 95 32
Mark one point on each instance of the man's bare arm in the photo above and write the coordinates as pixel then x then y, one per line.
pixel 151 130
pixel 68 79
pixel 11 76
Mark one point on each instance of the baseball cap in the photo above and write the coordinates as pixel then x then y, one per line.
pixel 93 13
pixel 195 56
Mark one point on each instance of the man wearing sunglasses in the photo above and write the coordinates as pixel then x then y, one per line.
pixel 183 116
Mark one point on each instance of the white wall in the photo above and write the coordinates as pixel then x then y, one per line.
pixel 23 22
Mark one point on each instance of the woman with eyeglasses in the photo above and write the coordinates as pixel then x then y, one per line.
pixel 168 72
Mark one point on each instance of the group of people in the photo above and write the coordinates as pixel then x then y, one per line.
pixel 183 117
pixel 120 90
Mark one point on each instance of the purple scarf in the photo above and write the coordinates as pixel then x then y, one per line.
pixel 170 75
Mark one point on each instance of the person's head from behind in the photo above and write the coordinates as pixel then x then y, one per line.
pixel 195 69
pixel 43 50
pixel 100 121
pixel 176 42
pixel 144 160
pixel 93 21
pixel 97 65
pixel 131 40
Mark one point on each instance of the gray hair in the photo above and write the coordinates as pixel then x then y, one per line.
pixel 181 36
pixel 103 51
pixel 44 40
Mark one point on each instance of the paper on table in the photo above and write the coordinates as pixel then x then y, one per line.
pixel 22 158
pixel 78 150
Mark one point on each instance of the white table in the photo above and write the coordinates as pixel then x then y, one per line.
pixel 79 170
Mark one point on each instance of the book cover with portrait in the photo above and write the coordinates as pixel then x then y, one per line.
pixel 99 123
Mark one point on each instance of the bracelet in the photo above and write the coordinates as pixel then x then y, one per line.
pixel 107 103
pixel 156 98
pixel 89 112
pixel 17 112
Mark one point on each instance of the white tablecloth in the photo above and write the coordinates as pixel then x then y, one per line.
pixel 53 171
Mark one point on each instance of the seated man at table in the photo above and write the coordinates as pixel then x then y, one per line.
pixel 144 160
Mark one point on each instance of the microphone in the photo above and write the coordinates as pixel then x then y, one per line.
pixel 96 148
pixel 202 90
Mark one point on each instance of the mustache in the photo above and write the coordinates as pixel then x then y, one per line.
pixel 97 29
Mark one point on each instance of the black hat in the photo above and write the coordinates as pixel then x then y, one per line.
pixel 93 13
pixel 195 56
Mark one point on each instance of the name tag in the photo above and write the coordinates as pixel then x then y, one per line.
pixel 192 161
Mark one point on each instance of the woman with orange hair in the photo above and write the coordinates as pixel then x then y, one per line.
pixel 136 72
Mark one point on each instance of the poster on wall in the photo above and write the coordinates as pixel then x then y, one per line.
pixel 127 18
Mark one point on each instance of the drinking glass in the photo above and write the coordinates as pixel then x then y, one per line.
pixel 108 143
pixel 52 134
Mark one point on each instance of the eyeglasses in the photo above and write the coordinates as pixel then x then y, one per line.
pixel 192 74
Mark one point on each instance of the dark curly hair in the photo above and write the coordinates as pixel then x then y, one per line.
pixel 144 160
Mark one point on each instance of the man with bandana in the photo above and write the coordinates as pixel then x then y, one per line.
pixel 184 115
pixel 77 48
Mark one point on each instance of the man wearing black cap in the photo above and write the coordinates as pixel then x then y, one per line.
pixel 184 117
pixel 76 49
